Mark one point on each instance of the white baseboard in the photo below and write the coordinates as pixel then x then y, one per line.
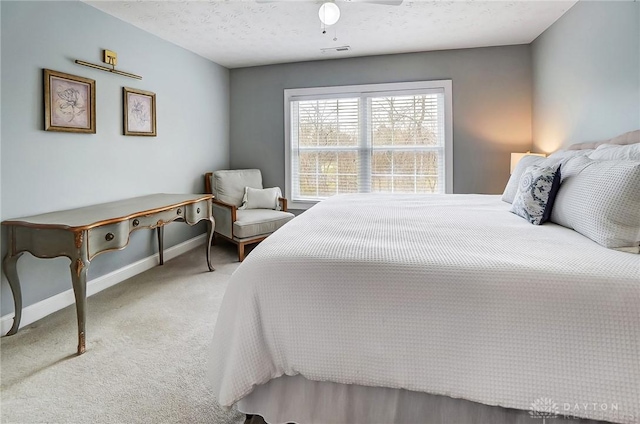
pixel 41 309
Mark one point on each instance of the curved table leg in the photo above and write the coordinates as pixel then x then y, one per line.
pixel 160 231
pixel 79 280
pixel 9 266
pixel 211 225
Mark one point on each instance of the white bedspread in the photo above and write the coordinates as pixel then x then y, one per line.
pixel 445 294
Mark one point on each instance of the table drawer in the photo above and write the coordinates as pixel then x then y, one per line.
pixel 152 220
pixel 197 212
pixel 108 237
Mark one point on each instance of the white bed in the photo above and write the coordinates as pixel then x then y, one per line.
pixel 450 296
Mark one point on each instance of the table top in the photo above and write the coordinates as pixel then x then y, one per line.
pixel 96 215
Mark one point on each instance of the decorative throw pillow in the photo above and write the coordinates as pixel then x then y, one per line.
pixel 536 193
pixel 512 186
pixel 601 200
pixel 265 198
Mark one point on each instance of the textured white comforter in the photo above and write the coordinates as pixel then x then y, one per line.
pixel 445 294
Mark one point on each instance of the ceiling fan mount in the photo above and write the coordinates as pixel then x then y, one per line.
pixel 329 12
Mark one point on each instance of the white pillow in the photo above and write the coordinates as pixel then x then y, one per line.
pixel 601 200
pixel 568 154
pixel 261 198
pixel 616 152
pixel 514 181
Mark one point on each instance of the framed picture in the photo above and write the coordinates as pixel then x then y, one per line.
pixel 69 103
pixel 139 112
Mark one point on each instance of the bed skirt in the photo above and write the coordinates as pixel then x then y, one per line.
pixel 298 400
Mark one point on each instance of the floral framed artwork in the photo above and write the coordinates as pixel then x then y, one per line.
pixel 69 103
pixel 139 112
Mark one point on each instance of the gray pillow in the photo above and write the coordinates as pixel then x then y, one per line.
pixel 536 193
pixel 601 200
pixel 512 186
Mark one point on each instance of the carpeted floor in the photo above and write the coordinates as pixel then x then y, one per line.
pixel 147 339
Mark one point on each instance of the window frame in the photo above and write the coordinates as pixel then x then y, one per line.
pixel 363 91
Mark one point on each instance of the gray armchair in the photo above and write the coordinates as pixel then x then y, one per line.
pixel 242 226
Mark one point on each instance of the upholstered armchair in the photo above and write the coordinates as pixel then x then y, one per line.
pixel 242 226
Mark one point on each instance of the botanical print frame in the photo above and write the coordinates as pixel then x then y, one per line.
pixel 69 103
pixel 139 112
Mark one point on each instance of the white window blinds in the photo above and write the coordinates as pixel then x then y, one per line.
pixel 368 141
pixel 326 144
pixel 407 143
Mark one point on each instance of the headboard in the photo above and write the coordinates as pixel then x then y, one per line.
pixel 631 137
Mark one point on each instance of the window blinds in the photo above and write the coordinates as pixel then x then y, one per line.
pixel 369 142
pixel 407 143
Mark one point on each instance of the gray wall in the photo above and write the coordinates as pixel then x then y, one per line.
pixel 586 75
pixel 46 171
pixel 491 107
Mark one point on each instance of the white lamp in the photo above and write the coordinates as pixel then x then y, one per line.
pixel 329 13
pixel 515 158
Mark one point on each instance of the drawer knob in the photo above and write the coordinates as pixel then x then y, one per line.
pixel 179 211
pixel 198 210
pixel 109 237
pixel 136 222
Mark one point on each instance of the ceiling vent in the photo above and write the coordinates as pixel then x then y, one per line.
pixel 336 49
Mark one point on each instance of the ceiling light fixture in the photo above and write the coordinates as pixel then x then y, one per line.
pixel 329 13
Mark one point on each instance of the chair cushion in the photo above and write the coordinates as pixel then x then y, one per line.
pixel 228 186
pixel 256 222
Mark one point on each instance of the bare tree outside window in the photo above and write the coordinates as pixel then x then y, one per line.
pixel 401 150
pixel 328 134
pixel 403 130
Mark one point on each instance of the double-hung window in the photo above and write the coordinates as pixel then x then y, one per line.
pixel 390 138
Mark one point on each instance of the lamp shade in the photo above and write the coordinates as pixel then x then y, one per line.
pixel 329 13
pixel 515 158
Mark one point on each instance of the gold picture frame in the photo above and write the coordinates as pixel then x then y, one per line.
pixel 69 103
pixel 139 109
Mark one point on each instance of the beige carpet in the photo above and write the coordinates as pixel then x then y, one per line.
pixel 147 339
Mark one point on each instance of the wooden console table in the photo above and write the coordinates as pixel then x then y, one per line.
pixel 82 234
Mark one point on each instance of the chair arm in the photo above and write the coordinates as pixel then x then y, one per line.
pixel 224 215
pixel 207 183
pixel 283 203
pixel 232 208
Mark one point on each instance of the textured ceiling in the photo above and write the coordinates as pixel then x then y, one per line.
pixel 239 33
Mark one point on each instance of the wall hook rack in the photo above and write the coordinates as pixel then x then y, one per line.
pixel 110 58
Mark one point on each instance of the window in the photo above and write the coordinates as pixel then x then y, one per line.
pixel 393 138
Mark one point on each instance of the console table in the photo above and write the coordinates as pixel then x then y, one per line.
pixel 82 234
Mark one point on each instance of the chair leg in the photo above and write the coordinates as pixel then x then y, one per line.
pixel 240 252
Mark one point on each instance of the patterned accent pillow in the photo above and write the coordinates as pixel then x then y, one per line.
pixel 536 193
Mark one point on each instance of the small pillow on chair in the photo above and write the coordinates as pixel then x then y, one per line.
pixel 536 193
pixel 265 198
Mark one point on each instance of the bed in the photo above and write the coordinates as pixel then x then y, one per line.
pixel 433 308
